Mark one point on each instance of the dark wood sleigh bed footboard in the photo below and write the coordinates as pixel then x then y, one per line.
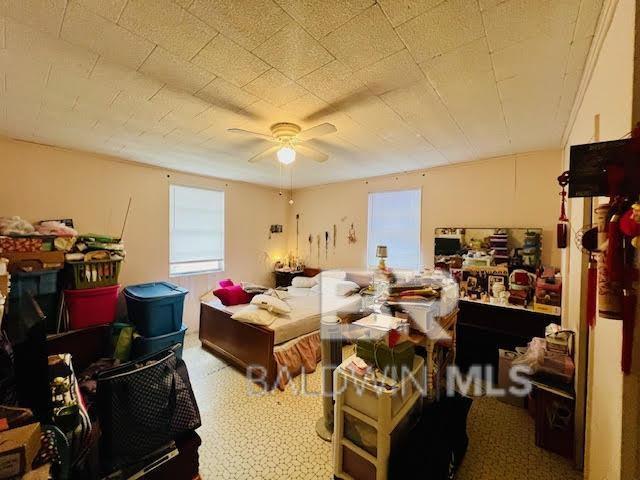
pixel 243 345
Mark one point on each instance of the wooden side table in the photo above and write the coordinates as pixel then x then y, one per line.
pixel 433 348
pixel 283 279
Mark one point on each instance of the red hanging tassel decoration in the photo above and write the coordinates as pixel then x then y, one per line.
pixel 592 291
pixel 562 231
pixel 628 306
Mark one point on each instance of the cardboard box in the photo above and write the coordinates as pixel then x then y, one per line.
pixel 18 448
pixel 27 261
pixel 4 285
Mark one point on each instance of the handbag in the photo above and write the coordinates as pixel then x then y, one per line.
pixel 142 406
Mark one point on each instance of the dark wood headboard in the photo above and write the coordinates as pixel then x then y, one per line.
pixel 311 272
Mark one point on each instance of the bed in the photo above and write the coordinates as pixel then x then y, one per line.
pixel 272 355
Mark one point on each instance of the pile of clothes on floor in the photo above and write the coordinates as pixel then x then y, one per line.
pixel 550 356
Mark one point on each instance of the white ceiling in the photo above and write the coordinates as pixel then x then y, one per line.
pixel 410 84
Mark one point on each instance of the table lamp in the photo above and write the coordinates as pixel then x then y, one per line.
pixel 381 253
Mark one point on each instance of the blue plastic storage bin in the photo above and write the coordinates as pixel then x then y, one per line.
pixel 43 286
pixel 41 282
pixel 155 308
pixel 146 345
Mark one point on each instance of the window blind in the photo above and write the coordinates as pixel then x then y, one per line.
pixel 394 221
pixel 196 230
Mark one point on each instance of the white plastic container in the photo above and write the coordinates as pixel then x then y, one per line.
pixel 380 408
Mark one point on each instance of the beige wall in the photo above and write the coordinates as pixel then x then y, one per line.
pixel 512 191
pixel 45 182
pixel 609 94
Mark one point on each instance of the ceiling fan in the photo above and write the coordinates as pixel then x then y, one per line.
pixel 290 138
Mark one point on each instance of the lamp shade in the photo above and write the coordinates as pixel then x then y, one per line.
pixel 381 251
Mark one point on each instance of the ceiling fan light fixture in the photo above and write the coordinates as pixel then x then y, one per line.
pixel 286 155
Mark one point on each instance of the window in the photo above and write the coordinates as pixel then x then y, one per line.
pixel 196 224
pixel 394 221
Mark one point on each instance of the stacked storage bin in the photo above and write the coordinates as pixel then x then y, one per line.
pixel 93 297
pixel 498 243
pixel 532 249
pixel 370 419
pixel 156 311
pixel 41 286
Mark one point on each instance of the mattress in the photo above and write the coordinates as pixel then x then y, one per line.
pixel 306 312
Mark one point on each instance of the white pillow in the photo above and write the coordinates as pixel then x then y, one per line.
pixel 304 282
pixel 346 287
pixel 272 304
pixel 255 315
pixel 336 274
pixel 332 286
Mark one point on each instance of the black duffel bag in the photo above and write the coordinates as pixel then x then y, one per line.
pixel 143 406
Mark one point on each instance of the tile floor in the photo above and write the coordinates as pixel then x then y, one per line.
pixel 250 435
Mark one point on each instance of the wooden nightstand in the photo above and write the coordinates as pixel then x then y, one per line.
pixel 283 279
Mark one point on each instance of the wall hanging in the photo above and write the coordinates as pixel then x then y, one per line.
pixel 612 169
pixel 326 245
pixel 351 236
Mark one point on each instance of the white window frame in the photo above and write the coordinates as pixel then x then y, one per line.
pixel 370 239
pixel 197 267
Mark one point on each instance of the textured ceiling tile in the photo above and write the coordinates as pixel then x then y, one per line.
pixel 306 108
pixel 293 52
pixel 420 107
pixel 86 29
pixel 125 79
pixel 25 41
pixel 571 82
pixel 512 21
pixel 464 64
pixel 2 33
pixel 44 15
pixel 179 103
pixel 443 28
pixel 125 107
pixel 578 54
pixel 24 77
pixel 66 83
pixel 226 95
pixel 527 57
pixel 395 71
pixel 588 18
pixel 332 82
pixel 320 17
pixel 176 72
pixel 363 40
pixel 400 11
pixel 540 93
pixel 275 88
pixel 261 115
pixel 109 9
pixel 249 22
pixel 230 61
pixel 167 24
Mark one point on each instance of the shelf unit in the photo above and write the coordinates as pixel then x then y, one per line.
pixel 375 406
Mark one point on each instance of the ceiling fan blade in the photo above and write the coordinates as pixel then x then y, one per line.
pixel 312 153
pixel 317 131
pixel 252 134
pixel 264 154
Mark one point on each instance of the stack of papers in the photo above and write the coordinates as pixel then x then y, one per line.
pixel 380 322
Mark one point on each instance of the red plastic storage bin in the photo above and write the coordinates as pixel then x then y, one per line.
pixel 90 307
